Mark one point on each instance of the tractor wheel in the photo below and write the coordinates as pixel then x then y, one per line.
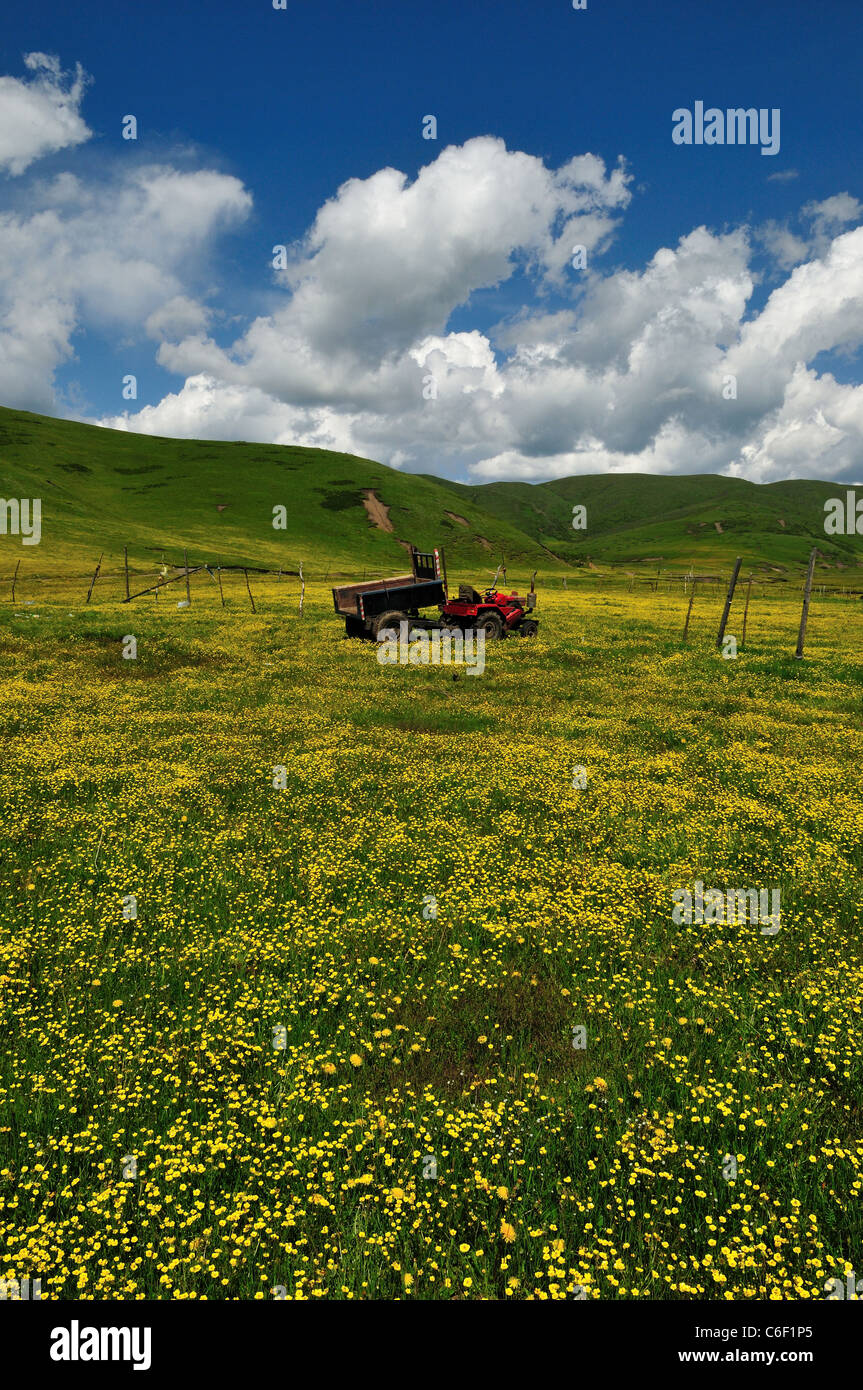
pixel 491 624
pixel 529 628
pixel 388 620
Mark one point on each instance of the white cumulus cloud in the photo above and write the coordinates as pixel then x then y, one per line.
pixel 592 369
pixel 40 115
pixel 113 255
pixel 620 371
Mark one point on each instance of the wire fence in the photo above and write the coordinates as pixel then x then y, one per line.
pixel 120 581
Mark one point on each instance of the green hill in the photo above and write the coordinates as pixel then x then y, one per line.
pixel 103 489
pixel 699 520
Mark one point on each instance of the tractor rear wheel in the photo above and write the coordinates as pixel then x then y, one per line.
pixel 491 624
pixel 388 620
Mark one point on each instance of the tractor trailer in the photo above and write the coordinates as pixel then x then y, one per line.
pixel 378 605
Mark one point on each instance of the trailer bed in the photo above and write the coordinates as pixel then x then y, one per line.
pixel 345 597
pixel 405 595
pixel 362 604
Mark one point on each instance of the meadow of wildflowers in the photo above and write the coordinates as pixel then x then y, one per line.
pixel 327 979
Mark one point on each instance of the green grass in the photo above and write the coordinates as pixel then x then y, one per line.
pixel 635 516
pixel 102 490
pixel 303 907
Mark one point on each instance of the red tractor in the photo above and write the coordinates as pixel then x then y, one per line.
pixel 493 612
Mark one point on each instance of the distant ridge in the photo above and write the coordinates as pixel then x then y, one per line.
pixel 103 489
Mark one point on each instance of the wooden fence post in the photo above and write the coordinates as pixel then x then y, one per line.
pixel 727 609
pixel 807 590
pixel 126 566
pixel 251 600
pixel 746 610
pixel 688 612
pixel 302 589
pixel 186 568
pixel 95 577
pixel 14 579
pixel 221 595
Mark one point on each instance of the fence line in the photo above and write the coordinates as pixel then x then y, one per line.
pixel 668 581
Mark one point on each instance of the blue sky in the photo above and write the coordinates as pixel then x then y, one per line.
pixel 469 345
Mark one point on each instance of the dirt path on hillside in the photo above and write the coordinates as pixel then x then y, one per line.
pixel 379 515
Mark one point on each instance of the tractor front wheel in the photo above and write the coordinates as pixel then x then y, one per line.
pixel 529 628
pixel 491 624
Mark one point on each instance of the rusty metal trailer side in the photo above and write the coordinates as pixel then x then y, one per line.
pixel 361 605
pixel 346 595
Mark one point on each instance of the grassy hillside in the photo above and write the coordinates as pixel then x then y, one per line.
pixel 701 520
pixel 103 489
